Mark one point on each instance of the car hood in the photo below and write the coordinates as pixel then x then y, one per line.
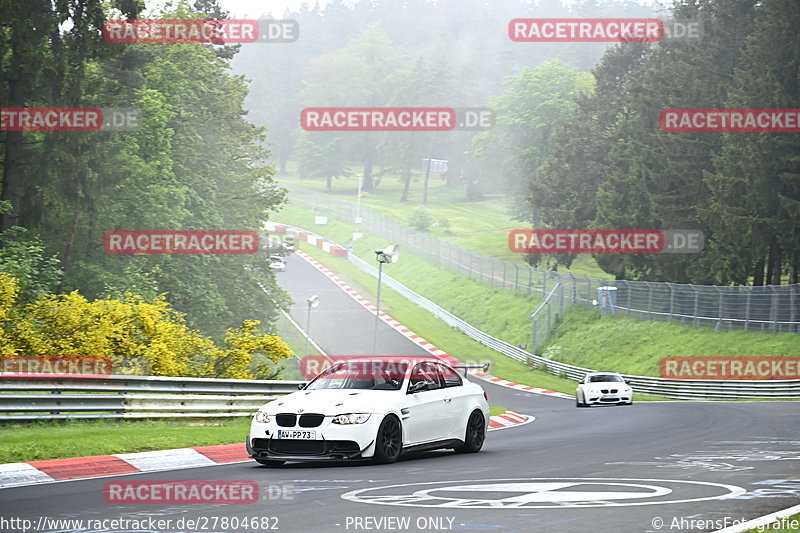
pixel 334 402
pixel 597 387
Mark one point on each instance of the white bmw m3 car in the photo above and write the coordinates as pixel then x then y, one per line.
pixel 372 408
pixel 603 388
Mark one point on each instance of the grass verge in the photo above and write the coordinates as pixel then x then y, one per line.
pixel 56 439
pixel 633 347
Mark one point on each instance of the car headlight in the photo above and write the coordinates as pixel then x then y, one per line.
pixel 351 418
pixel 262 417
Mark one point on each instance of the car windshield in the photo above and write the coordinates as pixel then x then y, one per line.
pixel 362 375
pixel 605 378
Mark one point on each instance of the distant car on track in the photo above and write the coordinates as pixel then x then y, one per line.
pixel 277 262
pixel 603 388
pixel 374 409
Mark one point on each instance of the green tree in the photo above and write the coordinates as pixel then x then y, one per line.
pixel 755 184
pixel 527 113
pixel 656 177
pixel 577 164
pixel 193 163
pixel 45 64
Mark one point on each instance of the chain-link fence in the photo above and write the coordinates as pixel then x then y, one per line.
pixel 773 309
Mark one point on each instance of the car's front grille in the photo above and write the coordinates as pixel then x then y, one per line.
pixel 605 391
pixel 298 447
pixel 286 420
pixel 305 447
pixel 311 420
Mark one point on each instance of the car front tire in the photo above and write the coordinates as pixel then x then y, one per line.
pixel 475 434
pixel 389 441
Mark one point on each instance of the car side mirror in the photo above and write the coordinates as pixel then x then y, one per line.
pixel 301 386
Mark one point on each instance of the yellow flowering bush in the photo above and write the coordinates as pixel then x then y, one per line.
pixel 9 290
pixel 241 344
pixel 139 337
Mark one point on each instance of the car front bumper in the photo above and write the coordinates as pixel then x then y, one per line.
pixel 600 399
pixel 332 442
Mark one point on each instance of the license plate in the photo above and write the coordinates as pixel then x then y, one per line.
pixel 296 434
pixel 609 397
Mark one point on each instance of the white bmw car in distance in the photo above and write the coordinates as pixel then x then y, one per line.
pixel 603 388
pixel 372 408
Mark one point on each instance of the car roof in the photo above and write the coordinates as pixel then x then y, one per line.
pixel 398 358
pixel 411 361
pixel 602 373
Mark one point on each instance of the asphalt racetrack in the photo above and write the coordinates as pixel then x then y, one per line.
pixel 673 466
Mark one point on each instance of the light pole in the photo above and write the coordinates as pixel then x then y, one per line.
pixel 313 301
pixel 390 254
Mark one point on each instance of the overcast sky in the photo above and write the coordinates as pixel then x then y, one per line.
pixel 252 8
pixel 255 8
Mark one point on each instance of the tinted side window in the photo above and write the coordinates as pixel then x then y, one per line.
pixel 450 376
pixel 426 372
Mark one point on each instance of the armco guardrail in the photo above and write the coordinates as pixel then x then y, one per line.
pixel 60 397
